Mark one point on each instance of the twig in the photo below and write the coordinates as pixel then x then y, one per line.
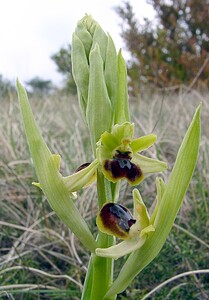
pixel 42 273
pixel 173 279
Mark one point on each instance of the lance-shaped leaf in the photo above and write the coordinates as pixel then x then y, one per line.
pixel 50 179
pixel 168 207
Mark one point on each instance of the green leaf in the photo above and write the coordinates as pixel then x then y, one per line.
pixel 168 208
pixel 49 177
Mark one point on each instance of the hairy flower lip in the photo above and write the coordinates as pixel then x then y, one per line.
pixel 115 219
pixel 122 168
pixel 117 152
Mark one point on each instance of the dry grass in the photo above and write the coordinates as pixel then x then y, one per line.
pixel 39 255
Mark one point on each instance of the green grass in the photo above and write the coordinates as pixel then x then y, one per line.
pixel 40 258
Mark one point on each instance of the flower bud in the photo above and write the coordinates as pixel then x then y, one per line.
pixel 101 78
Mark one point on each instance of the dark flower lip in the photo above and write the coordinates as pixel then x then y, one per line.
pixel 116 219
pixel 122 154
pixel 123 168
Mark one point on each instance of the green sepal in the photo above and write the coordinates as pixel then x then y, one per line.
pixel 82 178
pixel 143 142
pixel 121 249
pixel 140 211
pixel 120 134
pixel 149 165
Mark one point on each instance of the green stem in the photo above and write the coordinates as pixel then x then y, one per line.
pixel 88 281
pixel 100 272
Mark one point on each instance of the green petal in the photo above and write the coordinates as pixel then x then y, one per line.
pixel 147 230
pixel 123 132
pixel 49 177
pixel 143 142
pixel 140 211
pixel 121 249
pixel 142 226
pixel 148 165
pixel 119 137
pixel 81 178
pixel 109 141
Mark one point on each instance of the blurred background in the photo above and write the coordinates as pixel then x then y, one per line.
pixel 166 43
pixel 166 47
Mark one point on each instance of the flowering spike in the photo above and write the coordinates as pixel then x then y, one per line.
pixel 94 64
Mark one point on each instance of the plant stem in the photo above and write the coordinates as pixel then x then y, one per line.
pixel 101 269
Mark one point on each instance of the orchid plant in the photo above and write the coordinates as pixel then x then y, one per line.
pixel 101 78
